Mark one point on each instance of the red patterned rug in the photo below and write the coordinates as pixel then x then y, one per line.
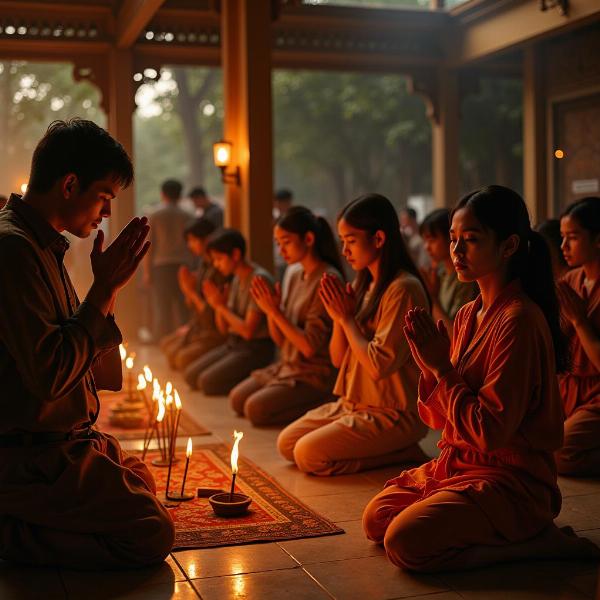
pixel 188 427
pixel 273 515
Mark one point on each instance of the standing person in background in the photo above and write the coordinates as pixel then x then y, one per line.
pixel 579 294
pixel 282 202
pixel 167 253
pixel 550 231
pixel 374 421
pixel 448 294
pixel 206 208
pixel 298 323
pixel 410 230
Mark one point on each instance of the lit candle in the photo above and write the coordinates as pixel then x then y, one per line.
pixel 122 352
pixel 147 373
pixel 238 435
pixel 141 388
pixel 159 417
pixel 178 407
pixel 129 365
pixel 188 453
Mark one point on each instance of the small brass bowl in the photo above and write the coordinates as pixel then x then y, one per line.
pixel 226 505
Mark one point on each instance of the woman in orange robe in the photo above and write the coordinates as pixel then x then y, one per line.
pixel 491 496
pixel 579 294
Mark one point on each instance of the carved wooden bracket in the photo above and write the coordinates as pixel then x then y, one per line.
pixel 424 82
pixel 95 70
pixel 561 5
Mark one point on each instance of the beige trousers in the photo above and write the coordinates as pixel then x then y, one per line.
pixel 334 439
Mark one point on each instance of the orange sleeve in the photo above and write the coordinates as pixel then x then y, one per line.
pixel 489 418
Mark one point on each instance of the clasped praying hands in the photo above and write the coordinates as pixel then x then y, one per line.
pixel 267 299
pixel 213 295
pixel 429 343
pixel 338 299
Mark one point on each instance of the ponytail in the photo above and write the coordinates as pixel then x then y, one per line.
pixel 538 283
pixel 301 220
pixel 502 211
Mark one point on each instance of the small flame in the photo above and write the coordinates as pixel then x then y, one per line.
pixel 168 388
pixel 161 410
pixel 169 400
pixel 147 373
pixel 177 400
pixel 238 435
pixel 141 382
pixel 129 362
pixel 188 451
pixel 122 351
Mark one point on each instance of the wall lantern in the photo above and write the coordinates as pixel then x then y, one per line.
pixel 222 158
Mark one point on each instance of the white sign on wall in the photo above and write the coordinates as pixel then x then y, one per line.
pixel 585 186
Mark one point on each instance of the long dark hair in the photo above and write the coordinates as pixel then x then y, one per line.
pixel 503 211
pixel 372 213
pixel 300 220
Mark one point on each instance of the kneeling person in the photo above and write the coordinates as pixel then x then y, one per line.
pixel 70 496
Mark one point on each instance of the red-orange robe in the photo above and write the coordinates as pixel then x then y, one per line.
pixel 501 416
pixel 580 392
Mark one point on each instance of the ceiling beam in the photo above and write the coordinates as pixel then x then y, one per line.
pixel 483 28
pixel 133 16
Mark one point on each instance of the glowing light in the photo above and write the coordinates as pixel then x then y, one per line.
pixel 141 382
pixel 23 188
pixel 147 373
pixel 129 362
pixel 188 451
pixel 122 352
pixel 235 453
pixel 559 153
pixel 177 400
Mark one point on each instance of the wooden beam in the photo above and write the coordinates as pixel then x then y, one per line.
pixel 486 27
pixel 132 18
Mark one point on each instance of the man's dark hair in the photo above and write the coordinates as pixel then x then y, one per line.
pixel 284 195
pixel 436 223
pixel 411 212
pixel 171 188
pixel 197 192
pixel 80 147
pixel 200 228
pixel 226 241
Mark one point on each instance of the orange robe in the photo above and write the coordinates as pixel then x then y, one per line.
pixel 495 479
pixel 580 392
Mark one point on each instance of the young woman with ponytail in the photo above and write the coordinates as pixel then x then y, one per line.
pixel 492 493
pixel 579 295
pixel 374 421
pixel 298 323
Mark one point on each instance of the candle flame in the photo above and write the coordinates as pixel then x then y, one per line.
pixel 168 388
pixel 177 400
pixel 161 410
pixel 129 362
pixel 169 400
pixel 238 435
pixel 122 351
pixel 188 451
pixel 147 373
pixel 141 382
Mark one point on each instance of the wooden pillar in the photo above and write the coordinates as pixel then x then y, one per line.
pixel 535 153
pixel 121 103
pixel 246 51
pixel 445 140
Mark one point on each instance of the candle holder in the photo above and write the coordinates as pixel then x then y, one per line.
pixel 179 497
pixel 230 505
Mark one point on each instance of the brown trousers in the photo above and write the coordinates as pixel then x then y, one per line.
pixel 81 504
pixel 333 440
pixel 580 454
pixel 274 403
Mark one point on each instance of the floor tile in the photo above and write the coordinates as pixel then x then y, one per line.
pixel 351 544
pixel 581 512
pixel 535 580
pixel 570 486
pixel 234 560
pixel 29 583
pixel 348 506
pixel 373 577
pixel 294 584
pixel 119 584
pixel 163 591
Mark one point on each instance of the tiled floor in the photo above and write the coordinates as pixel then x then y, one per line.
pixel 347 566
